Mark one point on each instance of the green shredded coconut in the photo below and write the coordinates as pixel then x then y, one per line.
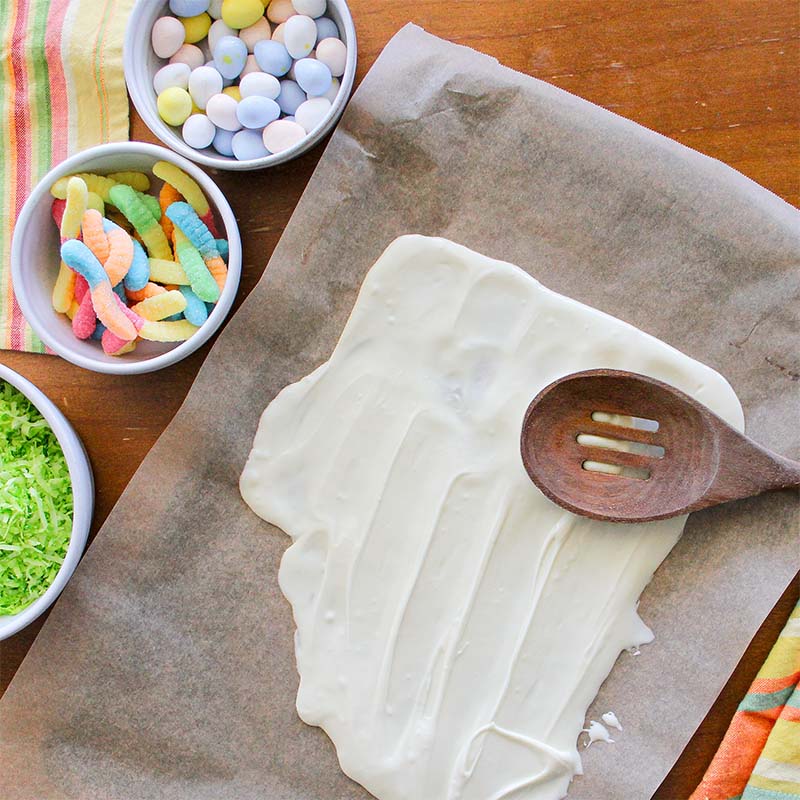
pixel 35 502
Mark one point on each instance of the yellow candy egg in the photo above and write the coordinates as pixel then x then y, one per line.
pixel 240 14
pixel 174 105
pixel 196 27
pixel 234 92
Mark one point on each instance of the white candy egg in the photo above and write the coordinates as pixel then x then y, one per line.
pixel 257 32
pixel 198 131
pixel 333 91
pixel 311 8
pixel 221 110
pixel 312 112
pixel 171 75
pixel 167 36
pixel 225 81
pixel 215 9
pixel 250 65
pixel 204 83
pixel 277 34
pixel 282 134
pixel 333 54
pixel 217 30
pixel 299 35
pixel 260 83
pixel 189 54
pixel 247 145
pixel 280 10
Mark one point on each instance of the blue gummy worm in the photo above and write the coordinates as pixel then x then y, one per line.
pixel 195 230
pixel 139 272
pixel 99 330
pixel 120 292
pixel 222 249
pixel 195 311
pixel 79 257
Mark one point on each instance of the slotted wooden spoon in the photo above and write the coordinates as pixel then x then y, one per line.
pixel 623 447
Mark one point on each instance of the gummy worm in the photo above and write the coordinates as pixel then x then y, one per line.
pixel 137 213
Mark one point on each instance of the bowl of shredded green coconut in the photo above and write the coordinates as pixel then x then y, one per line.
pixel 46 501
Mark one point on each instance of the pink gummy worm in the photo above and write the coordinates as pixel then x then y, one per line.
pixel 208 221
pixel 81 288
pixel 110 341
pixel 58 212
pixel 85 320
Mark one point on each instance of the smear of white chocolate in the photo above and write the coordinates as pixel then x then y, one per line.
pixel 597 732
pixel 610 719
pixel 453 625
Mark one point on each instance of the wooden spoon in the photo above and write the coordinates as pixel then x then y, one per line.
pixel 623 447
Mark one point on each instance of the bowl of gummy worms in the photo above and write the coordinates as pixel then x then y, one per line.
pixel 126 258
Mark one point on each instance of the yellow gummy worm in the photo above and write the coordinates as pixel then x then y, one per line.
pixel 126 348
pixel 177 331
pixel 64 289
pixel 96 202
pixel 77 199
pixel 73 307
pixel 187 186
pixel 138 180
pixel 99 184
pixel 158 306
pixel 94 237
pixel 163 271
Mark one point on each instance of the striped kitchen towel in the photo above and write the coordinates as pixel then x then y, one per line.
pixel 61 90
pixel 759 758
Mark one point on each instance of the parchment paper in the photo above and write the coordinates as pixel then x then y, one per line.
pixel 166 669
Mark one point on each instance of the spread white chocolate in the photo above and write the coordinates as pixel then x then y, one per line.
pixel 453 625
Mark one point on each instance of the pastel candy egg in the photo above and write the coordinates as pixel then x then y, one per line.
pixel 217 30
pixel 251 65
pixel 233 91
pixel 273 57
pixel 223 142
pixel 247 145
pixel 299 35
pixel 290 97
pixel 311 8
pixel 261 84
pixel 221 110
pixel 277 34
pixel 174 105
pixel 333 91
pixel 204 83
pixel 326 28
pixel 241 13
pixel 282 134
pixel 280 10
pixel 196 27
pixel 215 9
pixel 313 77
pixel 311 113
pixel 167 36
pixel 171 75
pixel 257 112
pixel 189 54
pixel 198 131
pixel 188 8
pixel 225 81
pixel 257 32
pixel 230 55
pixel 333 54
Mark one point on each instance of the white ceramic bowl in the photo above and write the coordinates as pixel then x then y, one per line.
pixel 141 64
pixel 80 474
pixel 35 261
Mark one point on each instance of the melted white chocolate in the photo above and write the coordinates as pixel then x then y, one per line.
pixel 453 625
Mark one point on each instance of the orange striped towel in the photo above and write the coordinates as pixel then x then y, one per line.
pixel 759 758
pixel 61 90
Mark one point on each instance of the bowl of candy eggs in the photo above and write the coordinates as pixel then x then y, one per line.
pixel 240 84
pixel 125 258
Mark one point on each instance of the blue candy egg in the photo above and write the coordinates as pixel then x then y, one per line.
pixel 326 28
pixel 272 57
pixel 313 77
pixel 290 97
pixel 248 144
pixel 188 8
pixel 257 112
pixel 230 56
pixel 222 142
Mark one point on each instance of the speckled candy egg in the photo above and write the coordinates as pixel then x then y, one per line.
pixel 230 56
pixel 333 91
pixel 196 28
pixel 251 65
pixel 280 10
pixel 300 35
pixel 313 77
pixel 189 54
pixel 312 112
pixel 290 97
pixel 247 145
pixel 167 36
pixel 198 131
pixel 174 105
pixel 333 54
pixel 222 142
pixel 241 13
pixel 260 84
pixel 188 8
pixel 217 30
pixel 273 58
pixel 326 28
pixel 171 75
pixel 204 83
pixel 282 134
pixel 258 32
pixel 311 8
pixel 257 112
pixel 221 110
pixel 277 34
pixel 215 9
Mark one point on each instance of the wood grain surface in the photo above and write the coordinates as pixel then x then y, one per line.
pixel 720 76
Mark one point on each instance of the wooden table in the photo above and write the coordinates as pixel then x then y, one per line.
pixel 721 76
